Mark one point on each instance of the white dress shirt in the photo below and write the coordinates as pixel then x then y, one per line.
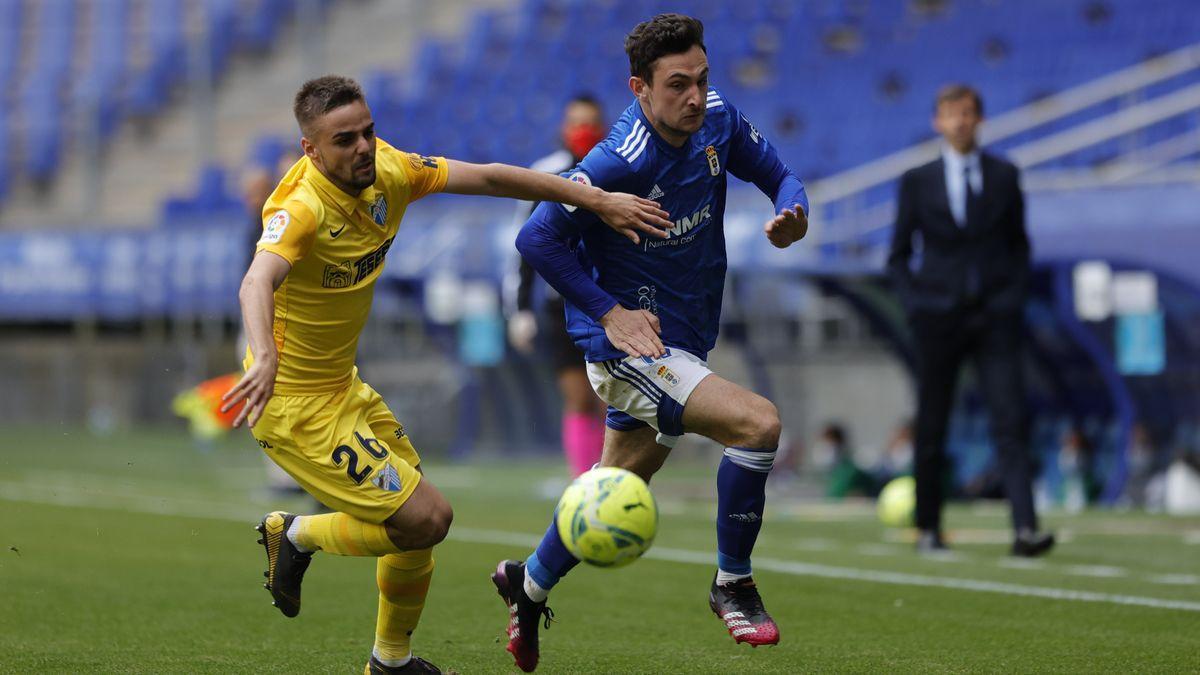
pixel 956 186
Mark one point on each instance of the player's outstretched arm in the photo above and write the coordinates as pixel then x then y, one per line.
pixel 257 296
pixel 752 158
pixel 625 213
pixel 788 227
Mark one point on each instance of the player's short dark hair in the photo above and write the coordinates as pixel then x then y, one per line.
pixel 318 96
pixel 586 99
pixel 663 35
pixel 957 92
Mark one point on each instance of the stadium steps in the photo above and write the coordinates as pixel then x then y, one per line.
pixel 152 158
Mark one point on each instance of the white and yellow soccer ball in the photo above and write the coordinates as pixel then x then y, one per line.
pixel 607 517
pixel 897 503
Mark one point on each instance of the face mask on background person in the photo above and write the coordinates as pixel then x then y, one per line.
pixel 581 138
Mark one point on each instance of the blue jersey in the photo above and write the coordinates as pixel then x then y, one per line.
pixel 681 279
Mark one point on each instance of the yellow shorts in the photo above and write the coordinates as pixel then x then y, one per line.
pixel 345 448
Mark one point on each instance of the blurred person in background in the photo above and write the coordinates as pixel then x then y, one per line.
pixel 271 162
pixel 647 313
pixel 833 456
pixel 327 228
pixel 1074 465
pixel 583 412
pixel 897 457
pixel 1147 472
pixel 966 300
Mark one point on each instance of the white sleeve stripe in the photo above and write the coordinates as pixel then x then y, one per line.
pixel 637 127
pixel 640 148
pixel 714 104
pixel 641 136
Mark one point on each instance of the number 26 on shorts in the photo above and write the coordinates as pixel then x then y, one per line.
pixel 344 454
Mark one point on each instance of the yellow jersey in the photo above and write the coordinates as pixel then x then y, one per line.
pixel 336 243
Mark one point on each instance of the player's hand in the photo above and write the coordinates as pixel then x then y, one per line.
pixel 255 388
pixel 788 227
pixel 634 332
pixel 522 328
pixel 630 214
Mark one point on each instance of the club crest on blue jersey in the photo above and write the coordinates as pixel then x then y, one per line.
pixel 379 210
pixel 714 166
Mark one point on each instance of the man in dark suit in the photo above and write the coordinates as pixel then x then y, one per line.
pixel 965 300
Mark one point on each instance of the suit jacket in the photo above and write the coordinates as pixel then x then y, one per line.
pixel 985 263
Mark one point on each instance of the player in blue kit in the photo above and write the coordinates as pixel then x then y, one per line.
pixel 646 310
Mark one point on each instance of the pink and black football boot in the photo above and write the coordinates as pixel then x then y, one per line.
pixel 523 614
pixel 739 605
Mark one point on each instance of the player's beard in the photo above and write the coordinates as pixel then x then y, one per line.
pixel 361 180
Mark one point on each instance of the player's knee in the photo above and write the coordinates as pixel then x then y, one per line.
pixel 425 524
pixel 762 426
pixel 438 524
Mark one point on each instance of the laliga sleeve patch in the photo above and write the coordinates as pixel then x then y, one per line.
pixel 578 177
pixel 273 231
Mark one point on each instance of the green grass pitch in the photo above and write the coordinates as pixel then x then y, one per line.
pixel 134 553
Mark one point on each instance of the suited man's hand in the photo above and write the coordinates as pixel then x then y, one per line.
pixel 788 227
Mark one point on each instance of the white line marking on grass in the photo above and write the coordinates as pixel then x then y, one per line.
pixel 1192 538
pixel 876 549
pixel 1175 579
pixel 814 545
pixel 1101 571
pixel 903 579
pixel 215 511
pixel 1021 564
pixel 942 556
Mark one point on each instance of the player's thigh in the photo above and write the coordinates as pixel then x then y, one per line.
pixel 340 460
pixel 648 391
pixel 635 450
pixel 423 518
pixel 731 414
pixel 389 430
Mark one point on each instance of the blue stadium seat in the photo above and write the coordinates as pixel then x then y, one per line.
pixel 11 16
pixel 166 62
pixel 97 92
pixel 211 196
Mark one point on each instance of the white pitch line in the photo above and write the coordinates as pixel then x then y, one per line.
pixel 813 544
pixel 1175 579
pixel 876 549
pixel 1099 571
pixel 164 507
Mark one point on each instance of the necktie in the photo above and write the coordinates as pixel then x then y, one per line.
pixel 972 205
pixel 972 220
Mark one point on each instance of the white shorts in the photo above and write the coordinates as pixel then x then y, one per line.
pixel 642 391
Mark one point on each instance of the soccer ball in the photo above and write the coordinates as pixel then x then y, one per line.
pixel 898 502
pixel 607 517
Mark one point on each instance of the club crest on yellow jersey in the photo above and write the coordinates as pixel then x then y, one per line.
pixel 379 210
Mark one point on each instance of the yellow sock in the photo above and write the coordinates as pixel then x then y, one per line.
pixel 343 535
pixel 403 583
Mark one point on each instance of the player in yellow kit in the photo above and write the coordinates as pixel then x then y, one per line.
pixel 327 229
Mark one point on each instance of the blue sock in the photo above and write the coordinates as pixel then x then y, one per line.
pixel 741 496
pixel 551 561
